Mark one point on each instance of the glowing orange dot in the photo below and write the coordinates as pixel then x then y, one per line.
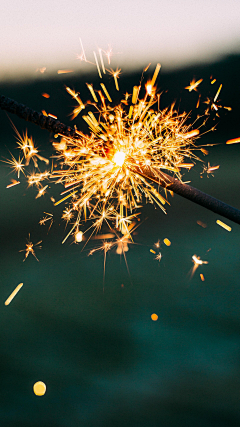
pixel 167 242
pixel 39 388
pixel 154 317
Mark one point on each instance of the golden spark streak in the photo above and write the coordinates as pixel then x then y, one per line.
pixel 233 141
pixel 223 225
pixel 135 94
pixel 191 134
pixel 13 294
pixel 101 59
pixel 83 52
pixel 157 69
pixel 217 94
pixel 106 92
pixel 90 87
pixel 202 277
pixel 13 183
pixel 212 168
pixel 97 64
pixel 64 198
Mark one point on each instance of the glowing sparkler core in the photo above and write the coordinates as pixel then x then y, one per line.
pixel 119 158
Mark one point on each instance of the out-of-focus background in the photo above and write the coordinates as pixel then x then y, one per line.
pixel 104 361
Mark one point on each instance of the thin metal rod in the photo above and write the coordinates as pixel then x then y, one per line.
pixel 162 179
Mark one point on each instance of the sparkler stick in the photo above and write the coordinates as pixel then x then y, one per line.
pixel 162 179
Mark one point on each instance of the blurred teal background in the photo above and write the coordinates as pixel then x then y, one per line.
pixel 104 361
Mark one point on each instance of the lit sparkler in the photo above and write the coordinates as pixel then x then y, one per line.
pixel 109 173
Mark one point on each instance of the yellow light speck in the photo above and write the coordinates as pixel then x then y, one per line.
pixel 39 388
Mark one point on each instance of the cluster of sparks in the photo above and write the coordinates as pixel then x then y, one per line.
pixel 105 173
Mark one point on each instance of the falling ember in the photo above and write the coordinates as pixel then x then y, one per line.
pixel 64 71
pixel 202 277
pixel 153 252
pixel 202 224
pixel 45 95
pixel 233 141
pixel 223 225
pixel 14 182
pixel 193 85
pixel 167 242
pixel 13 294
pixel 197 262
pixel 211 169
pixel 158 257
pixel 154 317
pixel 39 388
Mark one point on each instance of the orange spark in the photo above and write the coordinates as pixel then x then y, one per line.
pixel 223 225
pixel 13 294
pixel 193 85
pixel 233 141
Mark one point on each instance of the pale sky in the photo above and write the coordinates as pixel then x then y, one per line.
pixel 175 33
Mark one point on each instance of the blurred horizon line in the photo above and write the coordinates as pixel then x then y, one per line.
pixel 52 72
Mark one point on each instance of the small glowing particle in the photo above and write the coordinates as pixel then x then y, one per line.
pixel 202 224
pixel 52 115
pixel 79 236
pixel 197 261
pixel 202 277
pixel 13 294
pixel 45 95
pixel 39 388
pixel 154 317
pixel 223 225
pixel 153 252
pixel 42 70
pixel 167 242
pixel 213 81
pixel 233 141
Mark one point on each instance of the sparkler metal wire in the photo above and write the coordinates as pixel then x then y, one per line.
pixel 161 178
